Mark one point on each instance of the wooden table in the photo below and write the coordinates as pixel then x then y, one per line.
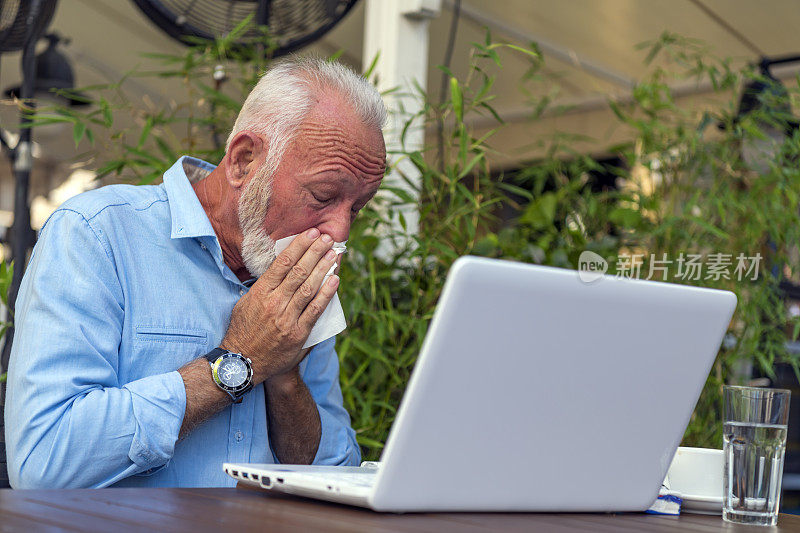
pixel 244 509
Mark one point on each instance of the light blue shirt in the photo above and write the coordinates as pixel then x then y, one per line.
pixel 127 284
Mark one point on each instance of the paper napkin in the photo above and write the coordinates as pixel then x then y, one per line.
pixel 332 321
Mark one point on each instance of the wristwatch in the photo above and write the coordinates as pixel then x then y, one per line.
pixel 232 372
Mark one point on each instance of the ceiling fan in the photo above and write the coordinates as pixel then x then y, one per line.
pixel 291 23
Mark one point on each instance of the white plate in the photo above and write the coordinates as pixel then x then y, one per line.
pixel 701 504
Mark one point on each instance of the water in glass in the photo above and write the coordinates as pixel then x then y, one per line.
pixel 754 466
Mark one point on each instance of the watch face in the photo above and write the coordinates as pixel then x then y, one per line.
pixel 232 372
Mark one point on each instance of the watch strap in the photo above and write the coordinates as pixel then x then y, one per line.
pixel 214 354
pixel 237 398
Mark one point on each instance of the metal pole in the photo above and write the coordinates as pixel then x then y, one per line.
pixel 22 235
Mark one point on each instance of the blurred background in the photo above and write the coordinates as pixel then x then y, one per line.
pixel 590 50
pixel 522 129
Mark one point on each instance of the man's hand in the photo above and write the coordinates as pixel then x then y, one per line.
pixel 271 322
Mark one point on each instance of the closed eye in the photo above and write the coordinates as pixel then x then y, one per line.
pixel 322 200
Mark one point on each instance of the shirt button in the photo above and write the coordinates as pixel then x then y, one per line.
pixel 203 246
pixel 238 436
pixel 241 292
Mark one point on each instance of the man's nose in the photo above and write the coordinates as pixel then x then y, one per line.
pixel 338 225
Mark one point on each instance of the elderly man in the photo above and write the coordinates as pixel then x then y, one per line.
pixel 132 291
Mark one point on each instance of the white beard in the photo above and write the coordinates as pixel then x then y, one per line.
pixel 258 248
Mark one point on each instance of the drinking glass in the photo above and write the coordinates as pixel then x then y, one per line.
pixel 754 433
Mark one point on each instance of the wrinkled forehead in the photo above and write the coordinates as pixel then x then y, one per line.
pixel 335 137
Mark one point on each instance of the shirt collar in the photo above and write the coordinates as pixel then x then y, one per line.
pixel 189 219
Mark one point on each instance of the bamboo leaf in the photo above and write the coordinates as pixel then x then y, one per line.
pixel 456 97
pixel 367 441
pixel 532 53
pixel 108 118
pixel 148 125
pixel 474 161
pixel 491 110
pixel 717 232
pixel 336 55
pixel 372 65
pixel 516 190
pixel 78 131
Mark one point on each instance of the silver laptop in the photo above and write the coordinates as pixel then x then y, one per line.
pixel 535 391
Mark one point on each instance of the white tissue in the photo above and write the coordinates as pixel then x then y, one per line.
pixel 331 322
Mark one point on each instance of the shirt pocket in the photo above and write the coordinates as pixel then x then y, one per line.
pixel 170 334
pixel 159 349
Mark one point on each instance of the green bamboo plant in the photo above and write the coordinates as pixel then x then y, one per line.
pixel 6 273
pixel 712 201
pixel 683 188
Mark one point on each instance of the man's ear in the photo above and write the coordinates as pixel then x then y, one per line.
pixel 244 155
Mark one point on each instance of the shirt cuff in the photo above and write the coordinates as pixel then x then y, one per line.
pixel 337 442
pixel 159 403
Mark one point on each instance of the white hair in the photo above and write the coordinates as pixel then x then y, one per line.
pixel 275 108
pixel 287 92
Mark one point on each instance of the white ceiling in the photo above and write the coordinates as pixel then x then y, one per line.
pixel 589 46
